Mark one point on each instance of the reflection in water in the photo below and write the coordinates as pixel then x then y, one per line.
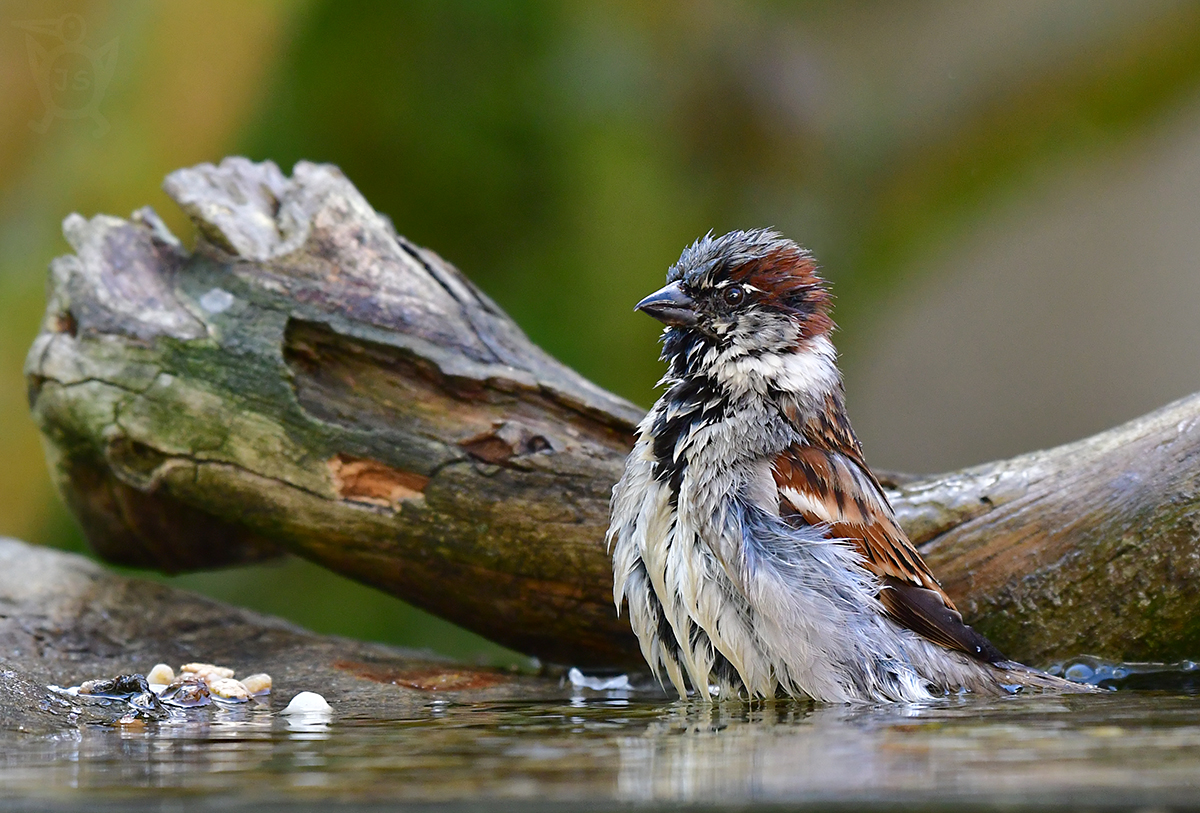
pixel 1016 749
pixel 785 751
pixel 313 725
pixel 628 749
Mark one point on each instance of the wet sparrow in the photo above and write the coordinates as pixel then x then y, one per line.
pixel 755 549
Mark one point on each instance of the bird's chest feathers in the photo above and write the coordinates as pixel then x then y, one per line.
pixel 713 436
pixel 714 452
pixel 806 373
pixel 733 407
pixel 707 479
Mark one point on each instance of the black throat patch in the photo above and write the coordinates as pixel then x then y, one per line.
pixel 696 400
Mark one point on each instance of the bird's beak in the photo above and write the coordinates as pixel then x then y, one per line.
pixel 669 305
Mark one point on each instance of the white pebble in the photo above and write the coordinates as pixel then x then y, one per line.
pixel 307 703
pixel 161 675
pixel 257 684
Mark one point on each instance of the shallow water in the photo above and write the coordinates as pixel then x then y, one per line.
pixel 600 750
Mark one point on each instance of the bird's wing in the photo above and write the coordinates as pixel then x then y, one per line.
pixel 824 480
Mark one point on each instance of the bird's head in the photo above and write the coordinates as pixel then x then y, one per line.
pixel 743 296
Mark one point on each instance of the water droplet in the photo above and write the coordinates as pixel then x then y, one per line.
pixel 218 300
pixel 1078 672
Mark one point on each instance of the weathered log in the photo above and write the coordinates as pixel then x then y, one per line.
pixel 1093 546
pixel 306 380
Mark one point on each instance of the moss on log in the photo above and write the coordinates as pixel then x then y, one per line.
pixel 307 380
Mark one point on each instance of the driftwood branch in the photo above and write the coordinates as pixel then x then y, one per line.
pixel 308 381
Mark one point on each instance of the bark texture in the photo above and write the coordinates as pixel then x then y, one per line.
pixel 307 380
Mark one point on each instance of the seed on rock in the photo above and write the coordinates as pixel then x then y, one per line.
pixel 161 675
pixel 207 671
pixel 257 684
pixel 94 686
pixel 229 689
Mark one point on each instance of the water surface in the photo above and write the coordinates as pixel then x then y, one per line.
pixel 602 750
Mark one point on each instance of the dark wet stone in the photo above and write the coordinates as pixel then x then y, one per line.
pixel 147 706
pixel 187 692
pixel 119 686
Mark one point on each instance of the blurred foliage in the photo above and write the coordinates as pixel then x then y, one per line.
pixel 563 154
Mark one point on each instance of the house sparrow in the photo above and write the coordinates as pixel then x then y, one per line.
pixel 756 551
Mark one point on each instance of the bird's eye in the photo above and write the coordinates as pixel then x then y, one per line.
pixel 734 295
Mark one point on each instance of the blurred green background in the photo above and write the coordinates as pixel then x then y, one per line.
pixel 1006 195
